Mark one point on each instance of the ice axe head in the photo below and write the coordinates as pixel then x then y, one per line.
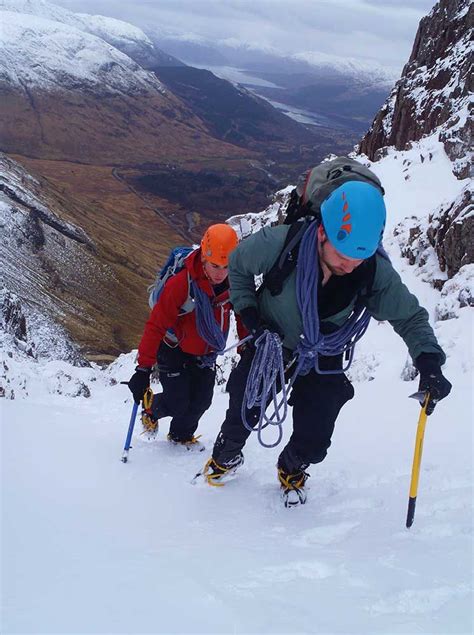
pixel 419 396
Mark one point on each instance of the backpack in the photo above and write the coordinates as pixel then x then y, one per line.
pixel 173 265
pixel 304 206
pixel 317 184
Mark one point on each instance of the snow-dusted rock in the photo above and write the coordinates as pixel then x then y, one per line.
pixel 456 294
pixel 434 92
pixel 274 214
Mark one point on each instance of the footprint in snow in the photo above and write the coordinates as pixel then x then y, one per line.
pixel 419 601
pixel 288 572
pixel 325 535
pixel 361 504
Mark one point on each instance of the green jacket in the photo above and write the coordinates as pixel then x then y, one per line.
pixel 388 299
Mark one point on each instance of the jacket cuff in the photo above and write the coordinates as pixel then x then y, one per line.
pixel 428 364
pixel 143 369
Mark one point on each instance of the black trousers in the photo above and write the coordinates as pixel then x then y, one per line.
pixel 187 391
pixel 316 400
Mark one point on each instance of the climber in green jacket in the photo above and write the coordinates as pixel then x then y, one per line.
pixel 353 275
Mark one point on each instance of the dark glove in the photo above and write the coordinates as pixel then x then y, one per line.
pixel 139 382
pixel 252 322
pixel 432 379
pixel 250 318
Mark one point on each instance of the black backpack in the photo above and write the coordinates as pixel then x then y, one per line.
pixel 304 206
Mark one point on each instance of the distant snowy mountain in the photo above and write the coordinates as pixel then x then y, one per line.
pixel 124 36
pixel 345 91
pixel 40 53
pixel 369 72
pixel 236 53
pixel 70 94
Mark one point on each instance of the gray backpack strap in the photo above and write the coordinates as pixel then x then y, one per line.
pixel 189 305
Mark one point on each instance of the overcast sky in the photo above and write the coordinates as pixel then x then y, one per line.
pixel 381 30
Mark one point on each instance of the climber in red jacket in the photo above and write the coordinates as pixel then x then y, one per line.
pixel 187 327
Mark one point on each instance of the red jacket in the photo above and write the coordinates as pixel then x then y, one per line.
pixel 165 314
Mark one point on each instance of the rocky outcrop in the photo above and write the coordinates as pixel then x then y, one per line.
pixel 28 333
pixel 13 319
pixel 433 98
pixel 452 234
pixel 434 91
pixel 447 237
pixel 274 214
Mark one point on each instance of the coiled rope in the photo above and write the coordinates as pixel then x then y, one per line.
pixel 266 375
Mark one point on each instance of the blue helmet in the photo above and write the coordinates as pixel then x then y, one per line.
pixel 353 217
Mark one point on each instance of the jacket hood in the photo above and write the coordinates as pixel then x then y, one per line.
pixel 194 266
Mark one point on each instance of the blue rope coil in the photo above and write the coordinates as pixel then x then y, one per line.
pixel 267 373
pixel 207 326
pixel 313 343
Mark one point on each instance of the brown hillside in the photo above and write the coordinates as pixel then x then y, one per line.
pixel 129 239
pixel 77 125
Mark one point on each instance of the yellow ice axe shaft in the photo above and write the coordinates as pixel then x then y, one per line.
pixel 415 470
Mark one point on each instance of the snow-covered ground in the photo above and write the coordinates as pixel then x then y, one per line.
pixel 91 545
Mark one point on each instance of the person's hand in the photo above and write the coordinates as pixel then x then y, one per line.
pixel 432 379
pixel 139 382
pixel 252 322
pixel 250 318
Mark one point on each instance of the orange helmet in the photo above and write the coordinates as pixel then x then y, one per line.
pixel 217 243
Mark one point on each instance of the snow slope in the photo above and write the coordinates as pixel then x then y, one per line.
pixel 94 546
pixel 91 545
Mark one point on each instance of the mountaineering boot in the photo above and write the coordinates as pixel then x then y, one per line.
pixel 292 487
pixel 193 444
pixel 149 425
pixel 226 458
pixel 215 474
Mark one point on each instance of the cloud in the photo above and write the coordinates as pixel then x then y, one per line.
pixel 381 30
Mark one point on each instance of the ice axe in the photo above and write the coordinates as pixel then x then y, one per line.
pixel 128 441
pixel 423 398
pixel 147 402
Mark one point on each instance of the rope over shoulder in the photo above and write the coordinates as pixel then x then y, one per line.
pixel 313 343
pixel 207 326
